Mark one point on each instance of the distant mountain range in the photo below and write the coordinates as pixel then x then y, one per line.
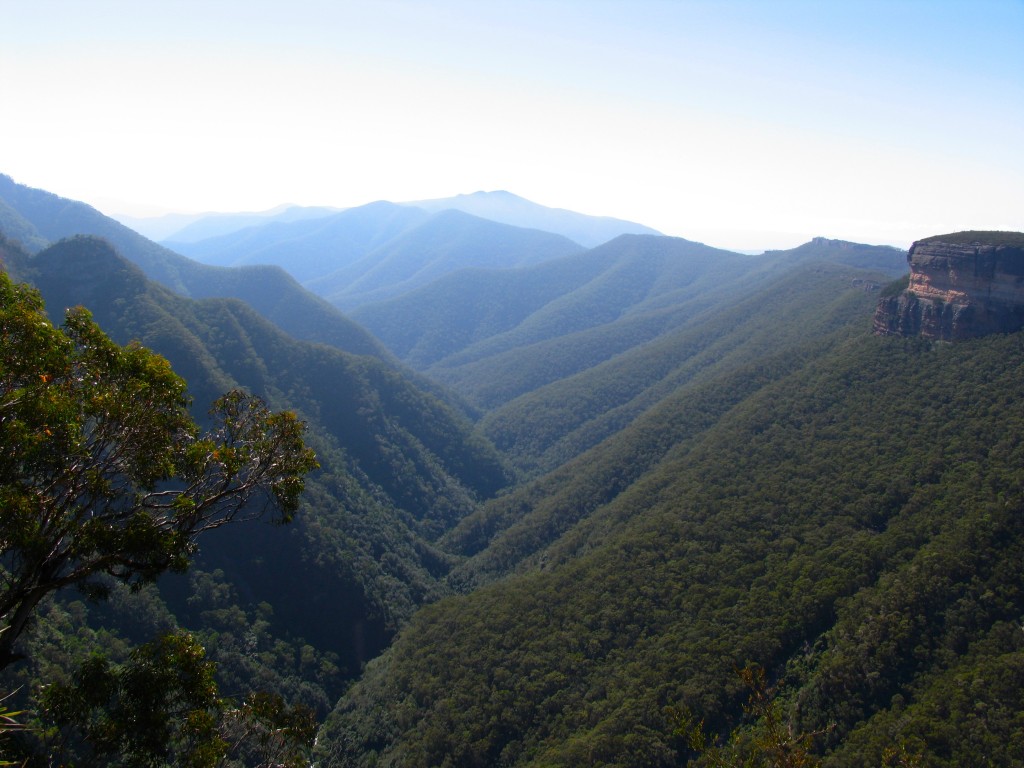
pixel 190 227
pixel 379 250
pixel 382 249
pixel 504 207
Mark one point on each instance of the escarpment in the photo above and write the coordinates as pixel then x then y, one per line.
pixel 961 286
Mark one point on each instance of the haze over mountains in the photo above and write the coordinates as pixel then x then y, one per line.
pixel 568 488
pixel 381 249
pixel 508 208
pixel 500 206
pixel 188 227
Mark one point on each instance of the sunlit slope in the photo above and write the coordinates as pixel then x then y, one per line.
pixel 591 291
pixel 593 437
pixel 554 422
pixel 853 522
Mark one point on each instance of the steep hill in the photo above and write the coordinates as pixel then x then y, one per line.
pixel 597 435
pixel 849 516
pixel 551 424
pixel 42 217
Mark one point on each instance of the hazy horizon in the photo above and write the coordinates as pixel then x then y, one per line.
pixel 742 124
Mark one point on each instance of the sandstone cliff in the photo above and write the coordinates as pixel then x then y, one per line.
pixel 961 285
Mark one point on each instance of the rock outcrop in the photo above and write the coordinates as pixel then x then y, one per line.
pixel 961 286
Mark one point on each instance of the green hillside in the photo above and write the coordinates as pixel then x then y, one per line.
pixel 560 420
pixel 546 303
pixel 17 228
pixel 658 399
pixel 438 320
pixel 853 524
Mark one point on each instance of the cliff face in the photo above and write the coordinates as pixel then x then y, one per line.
pixel 961 285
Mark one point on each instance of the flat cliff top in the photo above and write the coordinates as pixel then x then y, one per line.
pixel 976 237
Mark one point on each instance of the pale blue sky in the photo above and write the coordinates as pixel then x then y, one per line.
pixel 746 125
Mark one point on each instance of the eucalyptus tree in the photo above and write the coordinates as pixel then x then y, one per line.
pixel 104 472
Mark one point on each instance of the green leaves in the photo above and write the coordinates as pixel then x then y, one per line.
pixel 102 470
pixel 10 722
pixel 266 731
pixel 248 452
pixel 160 706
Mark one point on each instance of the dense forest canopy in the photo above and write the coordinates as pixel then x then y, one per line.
pixel 854 527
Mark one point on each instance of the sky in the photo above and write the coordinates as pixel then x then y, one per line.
pixel 745 124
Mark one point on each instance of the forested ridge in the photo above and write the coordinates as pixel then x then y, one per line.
pixel 623 483
pixel 495 335
pixel 547 425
